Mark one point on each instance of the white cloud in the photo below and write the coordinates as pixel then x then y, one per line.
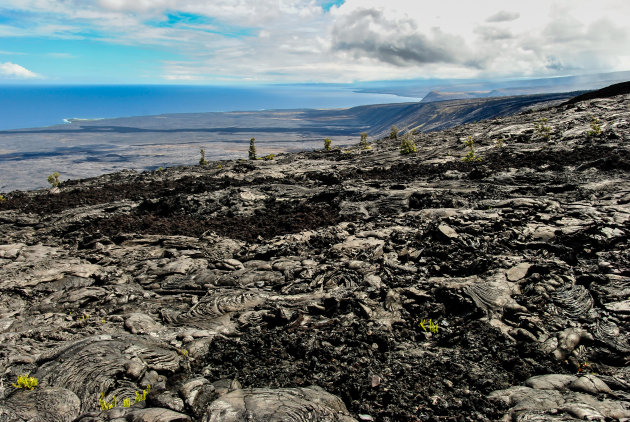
pixel 13 70
pixel 503 16
pixel 296 40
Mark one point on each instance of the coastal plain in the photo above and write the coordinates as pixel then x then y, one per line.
pixel 88 148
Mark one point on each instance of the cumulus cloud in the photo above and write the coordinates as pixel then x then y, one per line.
pixel 13 70
pixel 368 32
pixel 297 40
pixel 503 16
pixel 492 33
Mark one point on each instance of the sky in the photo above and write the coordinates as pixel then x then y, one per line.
pixel 307 41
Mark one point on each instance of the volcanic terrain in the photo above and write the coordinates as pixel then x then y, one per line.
pixel 347 285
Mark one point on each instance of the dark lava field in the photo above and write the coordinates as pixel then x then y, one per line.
pixel 356 284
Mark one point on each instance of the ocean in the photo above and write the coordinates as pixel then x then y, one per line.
pixel 37 105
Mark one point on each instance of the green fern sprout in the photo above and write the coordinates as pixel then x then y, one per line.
pixel 143 396
pixel 327 144
pixel 433 326
pixel 26 382
pixel 471 156
pixel 53 179
pixel 596 127
pixel 105 405
pixel 542 129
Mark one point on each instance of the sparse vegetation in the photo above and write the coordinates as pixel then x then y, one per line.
pixel 432 326
pixel 2 198
pixel 327 144
pixel 584 367
pixel 499 143
pixel 26 382
pixel 219 166
pixel 53 179
pixel 105 405
pixel 252 149
pixel 542 129
pixel 269 157
pixel 407 145
pixel 202 160
pixel 596 127
pixel 364 141
pixel 393 133
pixel 471 156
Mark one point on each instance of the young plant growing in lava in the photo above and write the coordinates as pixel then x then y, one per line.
pixel 407 145
pixel 53 179
pixel 471 156
pixel 252 149
pixel 26 382
pixel 202 160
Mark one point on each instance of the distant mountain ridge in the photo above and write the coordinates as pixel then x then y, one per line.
pixel 439 115
pixel 447 89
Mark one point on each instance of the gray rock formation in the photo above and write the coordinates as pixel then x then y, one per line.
pixel 333 286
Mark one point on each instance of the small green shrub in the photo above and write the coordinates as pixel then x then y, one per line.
pixel 53 179
pixel 407 145
pixel 2 198
pixel 269 157
pixel 252 149
pixel 364 141
pixel 26 382
pixel 471 156
pixel 219 166
pixel 393 133
pixel 596 127
pixel 542 129
pixel 202 160
pixel 327 144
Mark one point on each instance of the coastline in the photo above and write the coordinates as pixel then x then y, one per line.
pixel 53 104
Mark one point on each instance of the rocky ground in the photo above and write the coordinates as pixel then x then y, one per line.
pixel 351 285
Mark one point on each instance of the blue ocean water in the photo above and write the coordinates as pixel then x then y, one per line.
pixel 36 106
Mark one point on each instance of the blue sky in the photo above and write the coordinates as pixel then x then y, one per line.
pixel 287 41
